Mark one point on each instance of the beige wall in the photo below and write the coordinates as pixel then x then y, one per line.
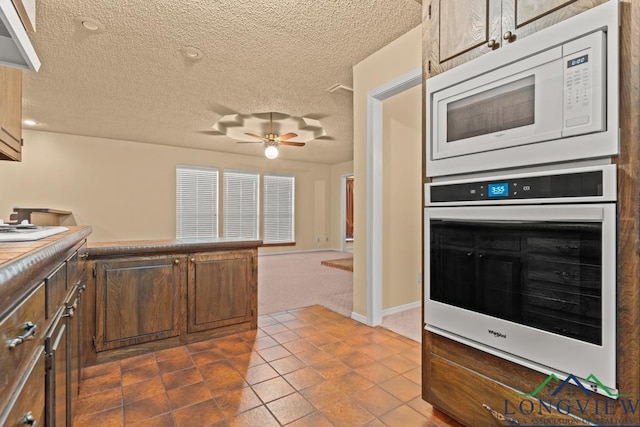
pixel 402 213
pixel 390 62
pixel 126 190
pixel 336 200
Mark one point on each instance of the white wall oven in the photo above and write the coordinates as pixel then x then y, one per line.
pixel 523 266
pixel 551 97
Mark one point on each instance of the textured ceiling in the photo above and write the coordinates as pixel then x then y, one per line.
pixel 132 82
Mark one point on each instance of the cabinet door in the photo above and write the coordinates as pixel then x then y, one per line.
pixel 221 290
pixel 460 30
pixel 57 372
pixel 524 17
pixel 10 113
pixel 137 301
pixel 27 406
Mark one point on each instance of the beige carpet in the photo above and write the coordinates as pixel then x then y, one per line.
pixel 291 281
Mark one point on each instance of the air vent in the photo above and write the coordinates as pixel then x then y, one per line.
pixel 340 88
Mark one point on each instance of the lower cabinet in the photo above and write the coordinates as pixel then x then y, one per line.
pixel 138 300
pixel 219 290
pixel 27 405
pixel 188 297
pixel 57 372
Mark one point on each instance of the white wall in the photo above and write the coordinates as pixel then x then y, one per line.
pixel 390 62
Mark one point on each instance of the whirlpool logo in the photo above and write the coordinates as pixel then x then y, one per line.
pixel 497 334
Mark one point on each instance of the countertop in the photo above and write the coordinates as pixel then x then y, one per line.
pixel 157 247
pixel 23 263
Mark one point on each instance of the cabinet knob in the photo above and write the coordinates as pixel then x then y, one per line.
pixel 491 43
pixel 28 419
pixel 69 313
pixel 30 330
pixel 192 260
pixel 508 35
pixel 84 255
pixel 176 262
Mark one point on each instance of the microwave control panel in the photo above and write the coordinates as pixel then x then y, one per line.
pixel 582 184
pixel 583 79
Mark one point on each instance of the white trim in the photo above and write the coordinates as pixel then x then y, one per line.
pixel 375 97
pixel 343 210
pixel 359 317
pixel 299 252
pixel 400 308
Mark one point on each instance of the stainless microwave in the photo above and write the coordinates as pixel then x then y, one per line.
pixel 551 97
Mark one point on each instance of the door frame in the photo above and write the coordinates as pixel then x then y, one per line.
pixel 375 99
pixel 343 210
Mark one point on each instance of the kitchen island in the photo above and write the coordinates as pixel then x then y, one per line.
pixel 157 294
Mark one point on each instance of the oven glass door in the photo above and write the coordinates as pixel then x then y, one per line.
pixel 544 275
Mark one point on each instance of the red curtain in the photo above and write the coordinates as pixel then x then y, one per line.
pixel 349 233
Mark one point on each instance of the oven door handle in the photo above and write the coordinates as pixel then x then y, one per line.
pixel 582 213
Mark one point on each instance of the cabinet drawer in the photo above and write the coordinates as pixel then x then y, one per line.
pixel 481 401
pixel 16 333
pixel 27 402
pixel 76 266
pixel 564 273
pixel 56 289
pixel 566 248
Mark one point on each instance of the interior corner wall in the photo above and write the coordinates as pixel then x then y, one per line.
pixel 397 58
pixel 126 190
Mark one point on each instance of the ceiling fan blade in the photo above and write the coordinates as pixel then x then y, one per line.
pixel 254 135
pixel 293 144
pixel 287 136
pixel 249 142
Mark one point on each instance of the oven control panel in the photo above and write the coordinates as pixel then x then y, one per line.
pixel 583 184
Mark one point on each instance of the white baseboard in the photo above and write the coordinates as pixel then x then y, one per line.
pixel 401 308
pixel 359 317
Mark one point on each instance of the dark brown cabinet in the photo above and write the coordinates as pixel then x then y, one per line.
pixel 10 114
pixel 219 290
pixel 183 294
pixel 138 300
pixel 39 369
pixel 57 372
pixel 460 30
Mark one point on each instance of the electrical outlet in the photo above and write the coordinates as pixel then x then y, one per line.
pixel 419 277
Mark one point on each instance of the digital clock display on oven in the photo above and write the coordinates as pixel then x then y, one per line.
pixel 498 189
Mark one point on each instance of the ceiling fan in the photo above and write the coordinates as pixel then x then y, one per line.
pixel 273 140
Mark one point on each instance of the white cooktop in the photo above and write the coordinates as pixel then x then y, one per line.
pixel 25 235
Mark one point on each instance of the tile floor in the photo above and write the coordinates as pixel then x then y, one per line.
pixel 307 367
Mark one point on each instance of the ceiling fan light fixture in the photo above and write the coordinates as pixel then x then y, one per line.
pixel 271 152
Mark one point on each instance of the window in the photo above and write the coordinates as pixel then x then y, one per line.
pixel 278 211
pixel 241 201
pixel 196 202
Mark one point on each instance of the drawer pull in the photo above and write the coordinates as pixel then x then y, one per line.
pixel 498 416
pixel 565 247
pixel 84 255
pixel 28 419
pixel 30 331
pixel 70 312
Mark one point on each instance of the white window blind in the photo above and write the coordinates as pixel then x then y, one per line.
pixel 278 212
pixel 241 201
pixel 196 202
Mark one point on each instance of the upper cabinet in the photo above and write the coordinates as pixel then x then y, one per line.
pixel 10 114
pixel 16 49
pixel 460 30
